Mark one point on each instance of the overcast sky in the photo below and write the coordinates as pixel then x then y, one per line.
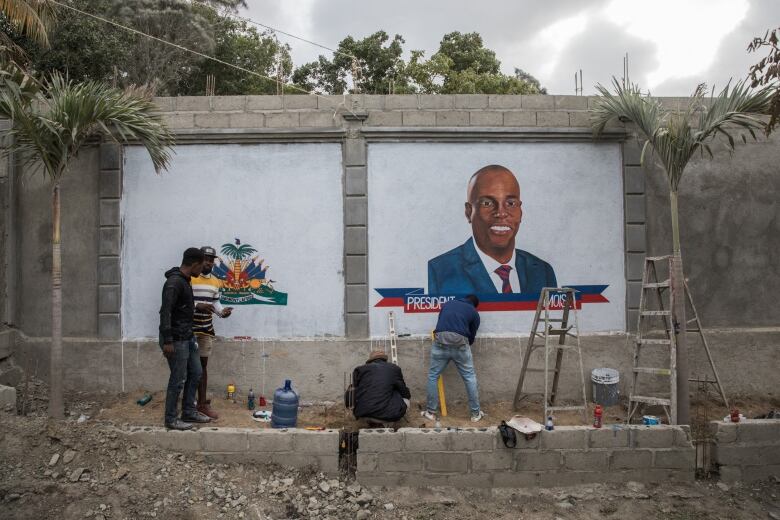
pixel 672 44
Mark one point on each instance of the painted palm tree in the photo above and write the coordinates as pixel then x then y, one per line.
pixel 237 253
pixel 673 137
pixel 49 128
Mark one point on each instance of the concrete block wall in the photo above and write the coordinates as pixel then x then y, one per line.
pixel 746 451
pixel 568 455
pixel 292 447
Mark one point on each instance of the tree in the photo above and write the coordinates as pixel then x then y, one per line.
pixel 49 127
pixel 674 137
pixel 530 79
pixel 767 71
pixel 467 52
pixel 29 18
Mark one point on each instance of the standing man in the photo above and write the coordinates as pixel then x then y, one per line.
pixel 205 289
pixel 178 342
pixel 455 332
pixel 380 390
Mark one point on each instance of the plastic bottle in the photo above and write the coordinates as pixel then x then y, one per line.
pixel 231 391
pixel 250 400
pixel 144 400
pixel 285 407
pixel 549 426
pixel 598 412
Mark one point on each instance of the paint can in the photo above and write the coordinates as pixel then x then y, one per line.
pixel 605 386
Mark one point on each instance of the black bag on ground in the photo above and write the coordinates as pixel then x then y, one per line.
pixel 508 435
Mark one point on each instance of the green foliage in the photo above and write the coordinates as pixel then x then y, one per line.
pixel 468 53
pixel 767 71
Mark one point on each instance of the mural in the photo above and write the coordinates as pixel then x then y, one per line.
pixel 244 280
pixel 501 221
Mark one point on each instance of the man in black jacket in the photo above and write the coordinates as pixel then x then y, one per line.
pixel 178 342
pixel 380 390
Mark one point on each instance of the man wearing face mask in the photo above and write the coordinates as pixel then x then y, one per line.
pixel 488 263
pixel 205 289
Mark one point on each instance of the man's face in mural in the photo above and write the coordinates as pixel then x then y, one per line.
pixel 208 264
pixel 494 210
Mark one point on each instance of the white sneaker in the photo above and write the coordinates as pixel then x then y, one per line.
pixel 428 415
pixel 478 417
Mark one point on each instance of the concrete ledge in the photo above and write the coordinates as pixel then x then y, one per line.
pixel 746 451
pixel 7 396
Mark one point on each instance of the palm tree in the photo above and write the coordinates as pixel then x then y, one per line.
pixel 49 127
pixel 674 137
pixel 29 18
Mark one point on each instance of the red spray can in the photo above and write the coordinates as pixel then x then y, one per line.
pixel 597 413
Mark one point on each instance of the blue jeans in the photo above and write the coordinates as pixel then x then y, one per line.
pixel 461 356
pixel 185 374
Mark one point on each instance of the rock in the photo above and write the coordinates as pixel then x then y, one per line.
pixel 54 459
pixel 389 506
pixel 774 516
pixel 723 487
pixel 324 487
pixel 121 473
pixel 69 456
pixel 287 481
pixel 364 499
pixel 354 489
pixel 10 497
pixel 76 475
pixel 219 492
pixel 363 515
pixel 636 487
pixel 564 504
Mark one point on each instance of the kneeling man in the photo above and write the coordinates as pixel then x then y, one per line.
pixel 380 390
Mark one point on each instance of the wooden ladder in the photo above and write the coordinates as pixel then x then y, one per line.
pixel 566 304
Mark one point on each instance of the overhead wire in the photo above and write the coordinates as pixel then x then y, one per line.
pixel 197 53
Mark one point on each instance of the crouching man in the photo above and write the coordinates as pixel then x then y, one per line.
pixel 380 391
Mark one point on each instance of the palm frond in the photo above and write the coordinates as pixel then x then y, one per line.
pixel 29 17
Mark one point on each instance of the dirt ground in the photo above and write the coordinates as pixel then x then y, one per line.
pixel 71 469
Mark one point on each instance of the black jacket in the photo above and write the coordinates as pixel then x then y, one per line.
pixel 379 389
pixel 177 307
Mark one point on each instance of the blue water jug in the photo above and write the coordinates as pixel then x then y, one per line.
pixel 285 408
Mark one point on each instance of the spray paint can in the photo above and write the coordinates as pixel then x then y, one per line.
pixel 250 400
pixel 598 412
pixel 231 392
pixel 549 426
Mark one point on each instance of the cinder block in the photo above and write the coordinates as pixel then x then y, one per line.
pixel 355 241
pixel 572 478
pixel 400 102
pixel 110 184
pixel 109 298
pixel 165 104
pixel 299 101
pixel 282 120
pixel 263 102
pixel 636 240
pixel 491 460
pixel 635 265
pixel 109 270
pixel 376 118
pixel 523 443
pixel 682 437
pixel 486 118
pixel 730 474
pixel 212 120
pixel 632 317
pixel 228 103
pixel 356 211
pixel 533 461
pixel 109 212
pixel 169 439
pixel 608 438
pixel 579 119
pixel 631 459
pixel 179 120
pixel 400 461
pixel 355 180
pixel 109 326
pixel 635 209
pixel 746 455
pixel 269 440
pixel 223 440
pixel 473 439
pixel 366 462
pixel 652 436
pixel 424 439
pixel 379 479
pixel 552 119
pixel 447 462
pixel 511 101
pixel 586 460
pixel 633 289
pixel 357 270
pixel 357 298
pixel 434 101
pixel 247 120
pixel 481 480
pixel 318 119
pixel 419 118
pixel 470 101
pixel 318 443
pixel 759 430
pixel 452 118
pixel 634 179
pixel 538 102
pixel 110 156
pixel 520 118
pixel 109 243
pixel 357 326
pixel 330 102
pixel 368 101
pixel 675 459
pixel 565 438
pixel 725 433
pixel 754 473
pixel 7 396
pixel 632 152
pixel 516 479
pixel 570 102
pixel 325 463
pixel 380 440
pixel 192 104
pixel 355 152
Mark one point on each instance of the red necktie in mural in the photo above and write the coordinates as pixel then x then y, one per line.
pixel 503 273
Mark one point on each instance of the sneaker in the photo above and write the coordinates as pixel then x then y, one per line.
pixel 478 416
pixel 178 425
pixel 196 417
pixel 428 415
pixel 206 410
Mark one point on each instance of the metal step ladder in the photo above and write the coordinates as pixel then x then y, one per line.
pixel 566 305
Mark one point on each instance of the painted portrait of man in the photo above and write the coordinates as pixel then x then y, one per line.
pixel 489 262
